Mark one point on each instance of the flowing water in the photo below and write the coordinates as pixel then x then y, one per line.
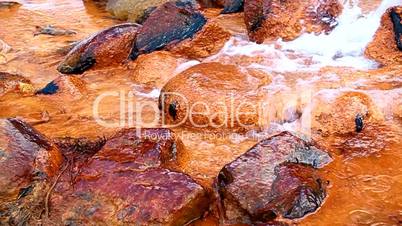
pixel 366 183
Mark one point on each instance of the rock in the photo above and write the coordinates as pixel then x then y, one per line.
pixel 270 20
pixel 155 68
pixel 209 41
pixel 341 113
pixel 9 4
pixel 206 95
pixel 11 82
pixel 170 23
pixel 105 48
pixel 230 6
pixel 128 182
pixel 385 48
pixel 65 85
pixel 53 31
pixel 133 10
pixel 26 157
pixel 277 177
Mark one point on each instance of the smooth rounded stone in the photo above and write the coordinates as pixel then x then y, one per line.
pixel 65 85
pixel 270 20
pixel 11 82
pixel 385 47
pixel 133 10
pixel 340 113
pixel 275 178
pixel 213 96
pixel 207 42
pixel 155 68
pixel 127 182
pixel 106 48
pixel 24 155
pixel 170 23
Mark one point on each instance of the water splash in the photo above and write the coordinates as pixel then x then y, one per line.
pixel 343 47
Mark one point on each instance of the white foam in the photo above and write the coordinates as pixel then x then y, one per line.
pixel 343 47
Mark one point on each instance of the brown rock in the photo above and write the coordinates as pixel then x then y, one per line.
pixel 384 48
pixel 270 20
pixel 274 178
pixel 11 82
pixel 127 182
pixel 133 10
pixel 155 68
pixel 214 96
pixel 24 152
pixel 206 42
pixel 65 85
pixel 340 113
pixel 109 47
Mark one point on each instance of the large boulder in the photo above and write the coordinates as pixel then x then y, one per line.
pixel 170 23
pixel 28 163
pixel 130 181
pixel 213 96
pixel 275 178
pixel 24 152
pixel 108 47
pixel 273 19
pixel 386 47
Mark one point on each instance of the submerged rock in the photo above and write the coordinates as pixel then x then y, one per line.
pixel 109 47
pixel 386 47
pixel 277 177
pixel 24 152
pixel 53 31
pixel 342 113
pixel 133 10
pixel 170 23
pixel 155 69
pixel 209 41
pixel 65 85
pixel 213 96
pixel 10 82
pixel 128 182
pixel 270 20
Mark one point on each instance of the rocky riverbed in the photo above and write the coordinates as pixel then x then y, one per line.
pixel 205 112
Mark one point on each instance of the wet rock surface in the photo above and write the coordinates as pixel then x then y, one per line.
pixel 28 162
pixel 24 152
pixel 105 48
pixel 170 23
pixel 386 46
pixel 128 182
pixel 155 68
pixel 208 41
pixel 204 95
pixel 11 82
pixel 270 20
pixel 65 85
pixel 133 10
pixel 342 113
pixel 277 177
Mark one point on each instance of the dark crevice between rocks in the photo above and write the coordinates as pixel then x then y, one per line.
pixel 396 20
